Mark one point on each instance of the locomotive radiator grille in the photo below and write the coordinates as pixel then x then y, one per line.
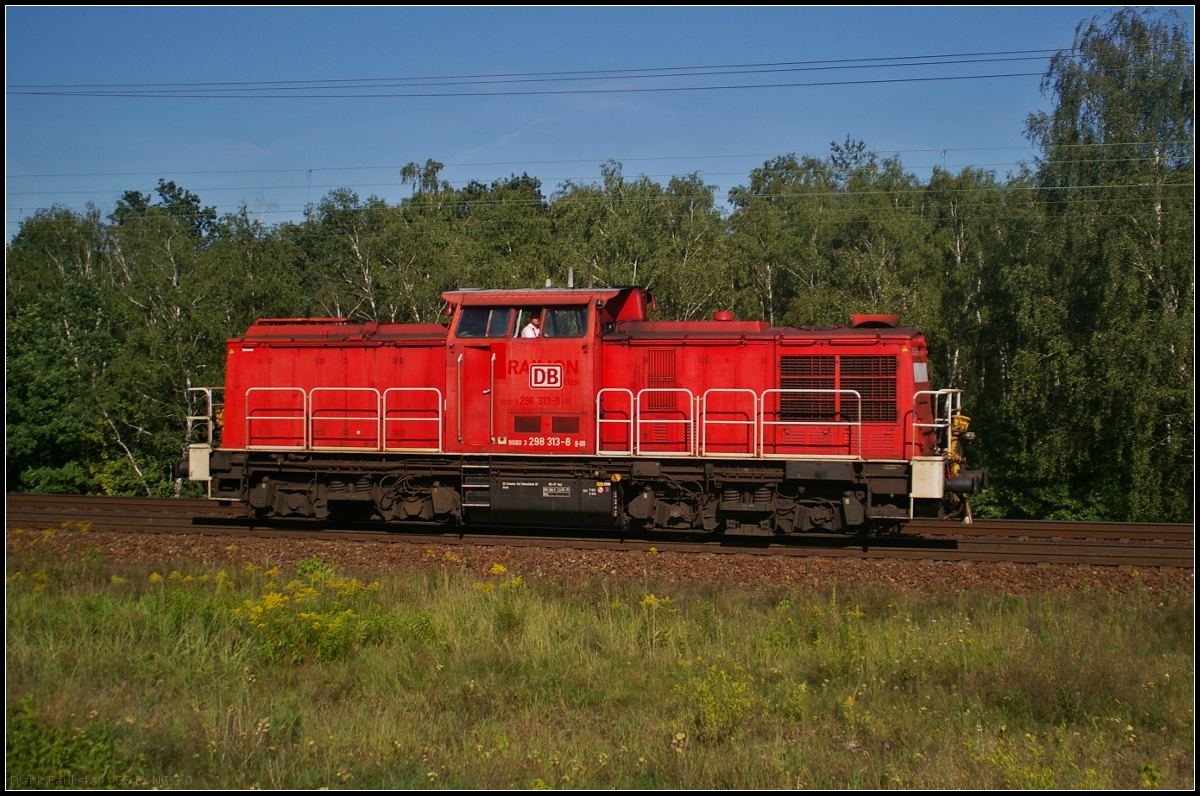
pixel 872 377
pixel 807 373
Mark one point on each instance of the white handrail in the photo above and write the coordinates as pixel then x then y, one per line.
pixel 312 418
pixel 687 422
pixel 952 405
pixel 752 422
pixel 438 419
pixel 763 422
pixel 209 418
pixel 600 420
pixel 302 418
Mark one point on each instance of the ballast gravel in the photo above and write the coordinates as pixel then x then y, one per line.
pixel 567 565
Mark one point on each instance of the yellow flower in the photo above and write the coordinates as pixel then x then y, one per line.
pixel 498 569
pixel 274 600
pixel 155 577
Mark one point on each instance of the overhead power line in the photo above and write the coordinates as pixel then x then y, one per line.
pixel 659 89
pixel 402 83
pixel 584 73
pixel 413 87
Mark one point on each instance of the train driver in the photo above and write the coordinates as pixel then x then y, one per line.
pixel 534 327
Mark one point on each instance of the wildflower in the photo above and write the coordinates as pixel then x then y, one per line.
pixel 498 569
pixel 155 577
pixel 274 600
pixel 114 579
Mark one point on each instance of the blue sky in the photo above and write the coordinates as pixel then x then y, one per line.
pixel 71 150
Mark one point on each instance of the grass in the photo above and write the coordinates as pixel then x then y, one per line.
pixel 258 675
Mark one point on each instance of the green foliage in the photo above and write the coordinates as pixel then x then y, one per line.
pixel 325 619
pixel 314 568
pixel 714 703
pixel 38 755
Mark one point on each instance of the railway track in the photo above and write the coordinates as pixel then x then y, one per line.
pixel 1017 541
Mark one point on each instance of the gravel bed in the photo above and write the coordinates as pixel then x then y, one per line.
pixel 566 565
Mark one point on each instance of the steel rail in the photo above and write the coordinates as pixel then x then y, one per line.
pixel 1047 543
pixel 1016 529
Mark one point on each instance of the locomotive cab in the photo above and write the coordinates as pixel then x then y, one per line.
pixel 525 366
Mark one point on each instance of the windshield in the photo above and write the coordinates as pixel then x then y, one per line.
pixel 484 322
pixel 565 322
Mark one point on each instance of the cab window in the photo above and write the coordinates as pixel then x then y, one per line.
pixel 565 322
pixel 484 322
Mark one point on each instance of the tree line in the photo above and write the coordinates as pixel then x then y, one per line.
pixel 1061 297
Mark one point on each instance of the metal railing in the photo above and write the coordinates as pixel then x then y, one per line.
pixel 437 419
pixel 601 420
pixel 752 423
pixel 687 422
pixel 368 422
pixel 699 420
pixel 208 419
pixel 301 418
pixel 849 424
pixel 306 413
pixel 946 404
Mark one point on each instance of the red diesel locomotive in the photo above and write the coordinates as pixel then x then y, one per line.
pixel 568 407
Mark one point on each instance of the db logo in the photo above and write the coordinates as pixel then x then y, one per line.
pixel 546 377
